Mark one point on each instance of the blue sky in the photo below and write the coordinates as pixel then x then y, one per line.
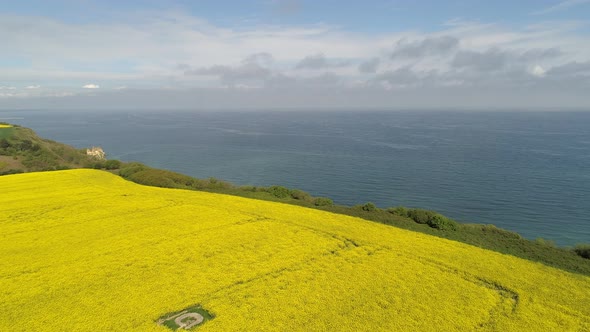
pixel 375 16
pixel 295 53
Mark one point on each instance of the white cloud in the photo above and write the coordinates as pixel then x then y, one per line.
pixel 251 69
pixel 369 66
pixel 319 61
pixel 155 45
pixel 174 51
pixel 563 5
pixel 538 71
pixel 429 46
pixel 34 92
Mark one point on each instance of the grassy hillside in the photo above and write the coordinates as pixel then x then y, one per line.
pixel 85 250
pixel 21 150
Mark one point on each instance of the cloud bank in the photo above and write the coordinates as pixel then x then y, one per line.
pixel 189 62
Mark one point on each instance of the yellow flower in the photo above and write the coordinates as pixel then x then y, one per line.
pixel 85 250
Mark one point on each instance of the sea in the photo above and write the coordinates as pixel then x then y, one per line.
pixel 525 171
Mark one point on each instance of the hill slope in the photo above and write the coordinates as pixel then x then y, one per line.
pixel 21 150
pixel 86 250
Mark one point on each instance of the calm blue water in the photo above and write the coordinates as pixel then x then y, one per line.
pixel 524 171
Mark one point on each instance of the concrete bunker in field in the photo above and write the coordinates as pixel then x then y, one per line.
pixel 186 319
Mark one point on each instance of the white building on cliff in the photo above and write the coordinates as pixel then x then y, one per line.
pixel 96 152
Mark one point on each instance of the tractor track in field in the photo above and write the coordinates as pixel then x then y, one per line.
pixel 344 244
pixel 505 293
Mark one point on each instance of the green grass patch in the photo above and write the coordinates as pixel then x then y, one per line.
pixel 6 132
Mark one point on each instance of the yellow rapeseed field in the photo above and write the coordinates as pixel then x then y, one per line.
pixel 84 250
pixel 5 126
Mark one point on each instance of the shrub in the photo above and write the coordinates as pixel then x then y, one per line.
pixel 199 184
pixel 12 171
pixel 249 188
pixel 322 201
pixel 583 250
pixel 432 219
pixel 543 242
pixel 495 230
pixel 131 168
pixel 162 178
pixel 152 178
pixel 420 216
pixel 213 183
pixel 301 195
pixel 97 165
pixel 441 222
pixel 369 207
pixel 4 143
pixel 279 192
pixel 112 164
pixel 398 211
pixel 25 145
